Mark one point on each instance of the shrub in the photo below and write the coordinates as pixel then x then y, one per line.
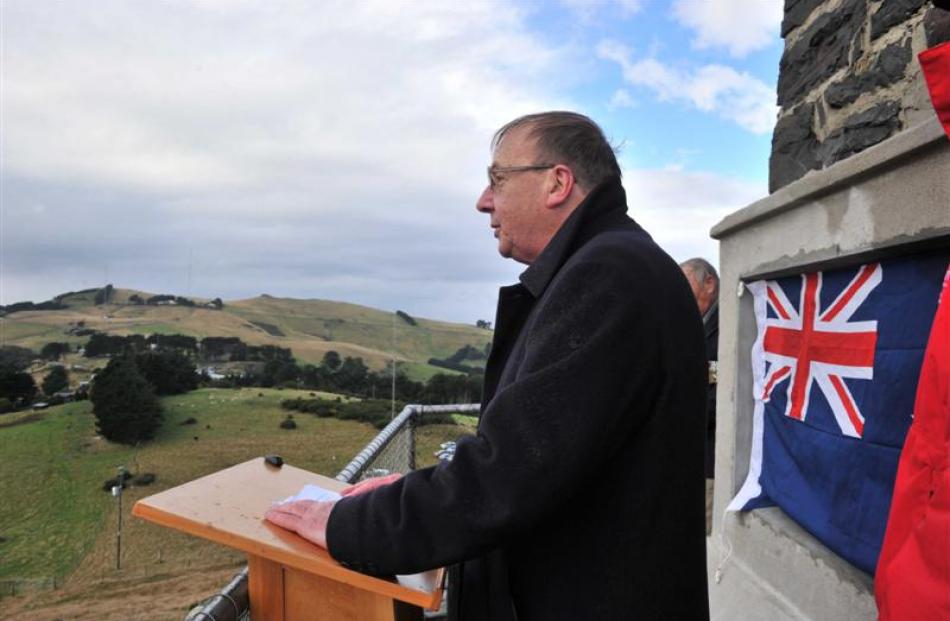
pixel 288 423
pixel 146 478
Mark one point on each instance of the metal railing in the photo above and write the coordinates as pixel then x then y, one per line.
pixel 392 450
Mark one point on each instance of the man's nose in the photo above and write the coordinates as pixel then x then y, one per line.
pixel 484 203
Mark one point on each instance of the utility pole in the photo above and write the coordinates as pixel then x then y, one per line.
pixel 117 492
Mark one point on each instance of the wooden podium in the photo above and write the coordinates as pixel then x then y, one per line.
pixel 289 578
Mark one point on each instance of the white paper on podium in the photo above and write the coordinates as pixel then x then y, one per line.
pixel 313 492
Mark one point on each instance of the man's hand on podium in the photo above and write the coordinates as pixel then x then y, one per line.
pixel 307 518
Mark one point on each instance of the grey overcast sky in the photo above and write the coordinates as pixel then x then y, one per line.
pixel 335 149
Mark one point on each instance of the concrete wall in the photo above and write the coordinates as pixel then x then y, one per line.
pixel 889 199
pixel 849 79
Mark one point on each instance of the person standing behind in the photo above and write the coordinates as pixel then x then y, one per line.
pixel 704 281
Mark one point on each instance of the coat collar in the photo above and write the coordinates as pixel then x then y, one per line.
pixel 588 219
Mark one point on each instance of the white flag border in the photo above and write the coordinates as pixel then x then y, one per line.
pixel 752 488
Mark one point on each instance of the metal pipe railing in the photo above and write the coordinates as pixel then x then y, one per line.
pixel 352 471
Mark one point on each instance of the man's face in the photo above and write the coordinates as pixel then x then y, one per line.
pixel 516 202
pixel 702 291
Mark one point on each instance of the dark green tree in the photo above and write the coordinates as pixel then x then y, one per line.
pixel 124 404
pixel 352 375
pixel 16 385
pixel 56 380
pixel 169 372
pixel 17 357
pixel 54 351
pixel 332 361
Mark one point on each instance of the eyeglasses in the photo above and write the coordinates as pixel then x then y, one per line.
pixel 493 171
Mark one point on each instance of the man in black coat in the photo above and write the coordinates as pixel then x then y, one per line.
pixel 581 495
pixel 704 282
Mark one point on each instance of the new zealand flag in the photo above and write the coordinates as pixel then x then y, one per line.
pixel 835 368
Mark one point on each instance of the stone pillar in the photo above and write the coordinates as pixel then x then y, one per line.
pixel 849 79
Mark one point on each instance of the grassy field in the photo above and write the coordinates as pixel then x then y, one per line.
pixel 55 519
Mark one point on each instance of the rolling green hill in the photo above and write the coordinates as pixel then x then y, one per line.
pixel 309 328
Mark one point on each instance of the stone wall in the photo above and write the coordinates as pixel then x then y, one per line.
pixel 849 79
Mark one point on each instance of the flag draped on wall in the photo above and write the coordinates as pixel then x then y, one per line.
pixel 835 368
pixel 913 573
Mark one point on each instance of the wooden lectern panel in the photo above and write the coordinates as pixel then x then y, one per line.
pixel 228 507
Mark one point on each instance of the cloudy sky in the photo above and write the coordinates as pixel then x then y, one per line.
pixel 321 149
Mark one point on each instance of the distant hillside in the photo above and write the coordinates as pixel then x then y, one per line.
pixel 309 328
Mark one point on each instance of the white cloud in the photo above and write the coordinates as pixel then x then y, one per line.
pixel 740 26
pixel 679 207
pixel 738 97
pixel 291 140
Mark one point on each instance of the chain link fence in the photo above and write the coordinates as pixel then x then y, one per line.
pixel 392 450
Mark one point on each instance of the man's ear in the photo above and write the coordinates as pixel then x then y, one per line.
pixel 561 186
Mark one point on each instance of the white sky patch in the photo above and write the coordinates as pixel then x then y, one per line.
pixel 740 26
pixel 621 99
pixel 738 97
pixel 679 207
pixel 587 9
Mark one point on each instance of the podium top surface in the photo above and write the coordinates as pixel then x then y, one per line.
pixel 228 507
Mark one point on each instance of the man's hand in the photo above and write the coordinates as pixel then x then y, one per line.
pixel 307 518
pixel 368 485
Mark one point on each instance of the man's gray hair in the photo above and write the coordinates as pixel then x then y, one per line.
pixel 571 139
pixel 701 270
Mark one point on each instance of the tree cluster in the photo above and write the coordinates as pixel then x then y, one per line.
pixel 455 362
pixel 406 317
pixel 376 412
pixel 54 351
pixel 351 376
pixel 55 381
pixel 233 349
pixel 30 306
pixel 125 394
pixel 103 295
pixel 211 348
pixel 101 344
pixel 17 387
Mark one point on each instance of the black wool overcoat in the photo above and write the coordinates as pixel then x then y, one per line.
pixel 581 496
